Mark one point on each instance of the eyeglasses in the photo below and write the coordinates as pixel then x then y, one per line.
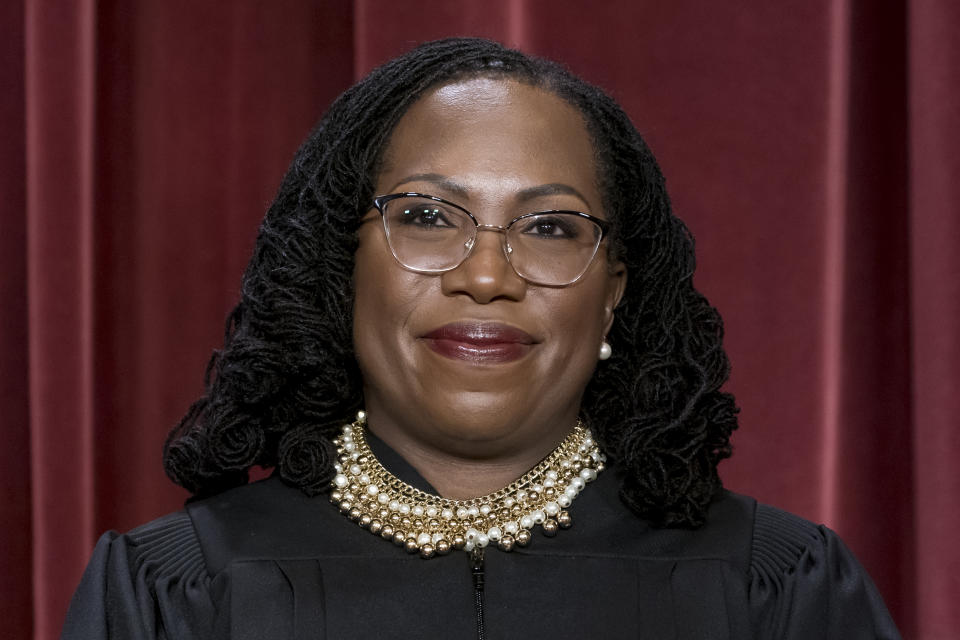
pixel 428 234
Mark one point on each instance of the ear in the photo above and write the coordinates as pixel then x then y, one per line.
pixel 616 286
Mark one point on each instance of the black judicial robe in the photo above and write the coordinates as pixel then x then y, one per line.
pixel 265 562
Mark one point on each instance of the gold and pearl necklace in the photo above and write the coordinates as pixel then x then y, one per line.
pixel 420 522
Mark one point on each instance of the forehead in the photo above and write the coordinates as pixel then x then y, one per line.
pixel 493 136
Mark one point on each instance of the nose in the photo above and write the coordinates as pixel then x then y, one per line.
pixel 485 275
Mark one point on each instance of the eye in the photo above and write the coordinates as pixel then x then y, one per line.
pixel 426 215
pixel 550 226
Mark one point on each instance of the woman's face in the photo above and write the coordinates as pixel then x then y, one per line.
pixel 477 362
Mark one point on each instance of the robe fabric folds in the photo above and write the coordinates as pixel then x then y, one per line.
pixel 265 561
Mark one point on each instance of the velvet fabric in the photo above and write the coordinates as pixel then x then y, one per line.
pixel 810 145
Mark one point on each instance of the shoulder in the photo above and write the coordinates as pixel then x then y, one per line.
pixel 803 581
pixel 140 584
pixel 780 540
pixel 166 547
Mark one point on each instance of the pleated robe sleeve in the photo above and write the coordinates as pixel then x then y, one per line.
pixel 804 583
pixel 149 584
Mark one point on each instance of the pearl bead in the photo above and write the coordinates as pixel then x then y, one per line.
pixel 551 475
pixel 383 498
pixel 432 512
pixel 538 516
pixel 473 512
pixel 418 510
pixel 494 533
pixel 468 546
pixel 462 513
pixel 355 470
pixel 577 483
pixel 447 514
pixel 570 492
pixel 404 508
pixel 511 527
pixel 372 489
pixel 551 509
pixel 588 474
pixel 564 501
pixel 485 509
pixel 483 540
pixel 349 446
pixel 394 505
pixel 341 480
pixel 424 538
pixel 471 534
pixel 361 415
pixel 526 521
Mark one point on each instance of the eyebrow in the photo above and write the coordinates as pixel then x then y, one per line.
pixel 524 195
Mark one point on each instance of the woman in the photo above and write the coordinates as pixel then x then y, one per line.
pixel 474 255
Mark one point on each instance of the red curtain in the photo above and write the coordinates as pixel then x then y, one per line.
pixel 811 145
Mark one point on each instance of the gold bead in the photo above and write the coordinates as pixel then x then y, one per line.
pixel 335 496
pixel 443 547
pixel 355 514
pixel 345 505
pixel 564 519
pixel 506 543
pixel 550 527
pixel 410 546
pixel 365 520
pixel 549 492
pixel 387 531
pixel 375 526
pixel 383 513
pixel 523 537
pixel 458 542
pixel 399 537
pixel 427 551
pixel 395 518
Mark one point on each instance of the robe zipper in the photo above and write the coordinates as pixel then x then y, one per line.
pixel 476 569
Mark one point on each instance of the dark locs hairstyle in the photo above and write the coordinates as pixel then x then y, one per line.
pixel 286 378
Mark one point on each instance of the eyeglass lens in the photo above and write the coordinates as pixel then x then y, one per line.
pixel 545 248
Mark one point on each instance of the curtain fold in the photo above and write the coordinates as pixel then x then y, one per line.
pixel 934 234
pixel 60 95
pixel 810 146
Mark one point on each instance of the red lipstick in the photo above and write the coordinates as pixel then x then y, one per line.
pixel 482 343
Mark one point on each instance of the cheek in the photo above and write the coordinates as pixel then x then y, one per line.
pixel 385 297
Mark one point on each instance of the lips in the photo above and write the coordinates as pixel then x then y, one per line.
pixel 481 343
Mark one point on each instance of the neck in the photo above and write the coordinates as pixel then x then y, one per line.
pixel 460 477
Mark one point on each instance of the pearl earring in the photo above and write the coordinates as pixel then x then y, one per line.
pixel 605 350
